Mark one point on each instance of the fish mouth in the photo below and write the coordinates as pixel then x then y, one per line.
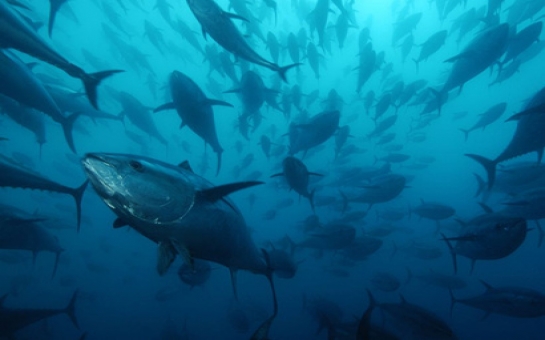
pixel 101 173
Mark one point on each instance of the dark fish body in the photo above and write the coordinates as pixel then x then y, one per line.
pixel 139 115
pixel 14 177
pixel 297 176
pixel 432 45
pixel 314 132
pixel 405 27
pixel 27 233
pixel 341 137
pixel 217 23
pixel 522 41
pixel 527 204
pixel 332 237
pixel 490 236
pixel 20 84
pixel 487 118
pixel 366 66
pixel 510 301
pixel 282 263
pixel 274 46
pixel 476 57
pixel 417 321
pixel 528 137
pixel 14 319
pixel 26 117
pixel 16 34
pixel 361 247
pixel 383 126
pixel 433 211
pixel 195 110
pixel 192 218
pixel 395 158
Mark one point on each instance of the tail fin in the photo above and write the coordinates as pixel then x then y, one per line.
pixel 91 82
pixel 466 134
pixel 68 127
pixel 70 310
pixel 77 193
pixel 489 166
pixel 452 253
pixel 282 70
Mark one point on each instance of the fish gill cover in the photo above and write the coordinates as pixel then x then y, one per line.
pixel 303 169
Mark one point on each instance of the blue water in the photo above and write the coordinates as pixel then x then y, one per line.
pixel 114 269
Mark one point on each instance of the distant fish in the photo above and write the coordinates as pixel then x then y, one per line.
pixel 16 34
pixel 297 176
pixel 528 136
pixel 217 23
pixel 14 319
pixel 14 177
pixel 195 110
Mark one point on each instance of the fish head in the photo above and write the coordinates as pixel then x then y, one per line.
pixel 140 190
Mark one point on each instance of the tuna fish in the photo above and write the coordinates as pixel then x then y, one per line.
pixel 16 34
pixel 180 211
pixel 314 132
pixel 490 236
pixel 217 23
pixel 17 177
pixel 14 319
pixel 297 176
pixel 486 118
pixel 528 136
pixel 195 110
pixel 511 301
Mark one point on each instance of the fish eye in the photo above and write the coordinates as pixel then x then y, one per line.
pixel 136 166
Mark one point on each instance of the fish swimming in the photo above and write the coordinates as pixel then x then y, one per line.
pixel 195 110
pixel 297 176
pixel 14 319
pixel 528 137
pixel 217 23
pixel 180 211
pixel 15 33
pixel 17 177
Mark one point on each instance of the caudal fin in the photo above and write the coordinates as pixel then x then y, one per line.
pixel 466 134
pixel 68 128
pixel 489 166
pixel 70 310
pixel 77 193
pixel 91 82
pixel 282 70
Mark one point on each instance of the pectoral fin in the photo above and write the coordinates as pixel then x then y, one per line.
pixel 166 255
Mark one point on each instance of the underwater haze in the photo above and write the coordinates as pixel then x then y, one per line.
pixel 272 169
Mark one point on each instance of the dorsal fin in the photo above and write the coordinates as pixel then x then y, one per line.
pixel 216 193
pixel 186 166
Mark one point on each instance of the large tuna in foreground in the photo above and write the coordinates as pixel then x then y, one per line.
pixel 182 212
